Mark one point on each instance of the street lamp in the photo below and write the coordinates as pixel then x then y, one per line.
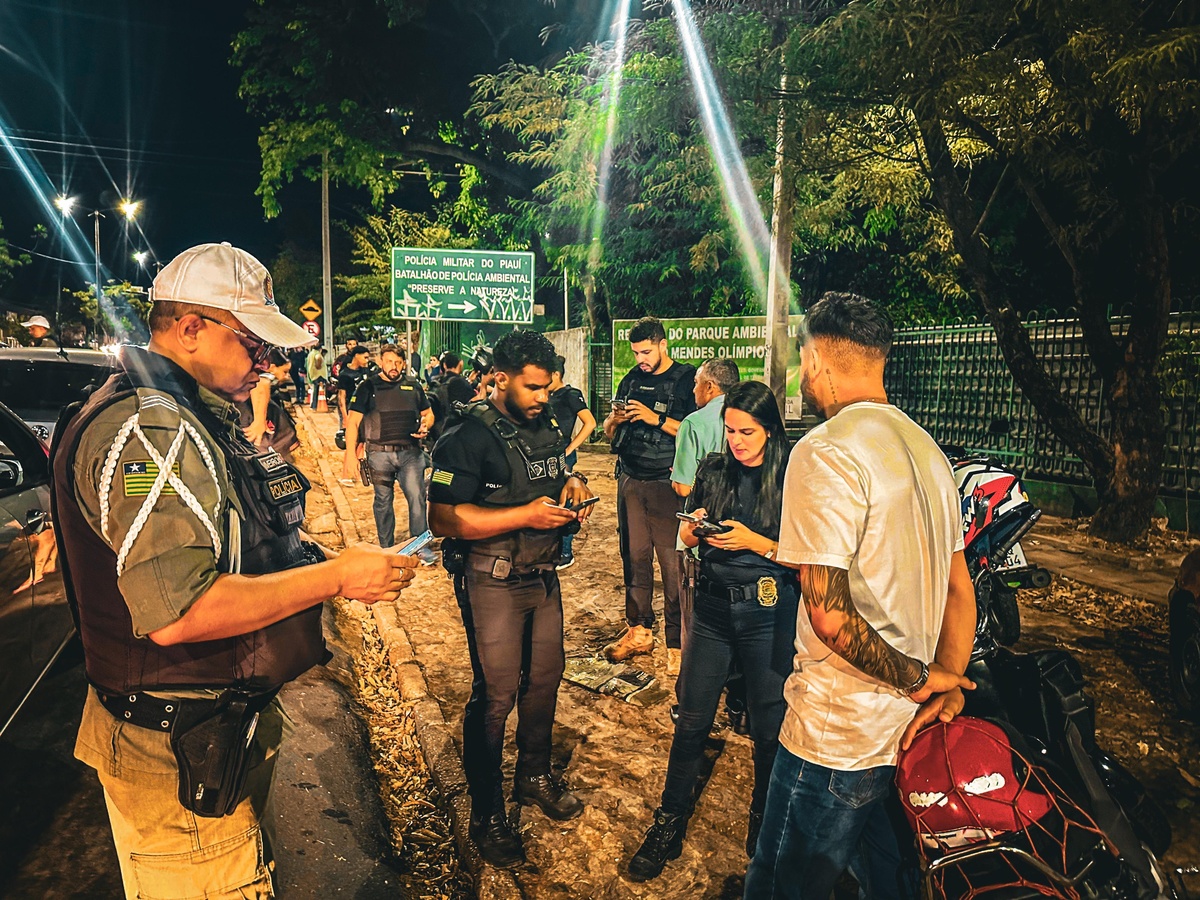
pixel 129 208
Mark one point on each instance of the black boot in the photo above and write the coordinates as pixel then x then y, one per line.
pixel 498 842
pixel 663 842
pixel 553 797
pixel 753 827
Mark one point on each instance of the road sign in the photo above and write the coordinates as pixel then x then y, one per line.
pixel 311 309
pixel 462 285
pixel 312 328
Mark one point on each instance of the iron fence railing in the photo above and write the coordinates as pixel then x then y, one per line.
pixel 952 379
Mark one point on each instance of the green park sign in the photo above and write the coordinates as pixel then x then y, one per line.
pixel 462 285
pixel 740 338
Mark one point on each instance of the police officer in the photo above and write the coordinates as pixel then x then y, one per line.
pixel 39 332
pixel 391 415
pixel 651 401
pixel 197 595
pixel 499 492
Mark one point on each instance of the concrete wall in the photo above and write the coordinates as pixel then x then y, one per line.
pixel 573 344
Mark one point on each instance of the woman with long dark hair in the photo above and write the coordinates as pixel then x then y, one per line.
pixel 744 609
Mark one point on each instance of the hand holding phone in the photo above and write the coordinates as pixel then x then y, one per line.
pixel 708 529
pixel 417 544
pixel 688 517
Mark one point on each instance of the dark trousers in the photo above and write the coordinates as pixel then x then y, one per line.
pixel 648 527
pixel 760 639
pixel 515 638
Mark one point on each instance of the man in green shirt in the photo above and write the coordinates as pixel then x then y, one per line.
pixel 700 433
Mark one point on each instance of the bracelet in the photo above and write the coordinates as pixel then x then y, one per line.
pixel 918 684
pixel 571 475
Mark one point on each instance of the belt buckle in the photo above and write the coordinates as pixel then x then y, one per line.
pixel 768 591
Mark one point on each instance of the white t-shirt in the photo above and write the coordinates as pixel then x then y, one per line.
pixel 870 492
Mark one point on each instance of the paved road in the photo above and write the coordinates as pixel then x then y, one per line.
pixel 54 838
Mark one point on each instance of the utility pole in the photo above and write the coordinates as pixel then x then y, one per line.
pixel 96 217
pixel 779 278
pixel 326 273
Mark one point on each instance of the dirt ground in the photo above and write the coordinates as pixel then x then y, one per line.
pixel 614 754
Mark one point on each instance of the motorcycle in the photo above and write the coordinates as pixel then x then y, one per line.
pixel 996 515
pixel 1107 833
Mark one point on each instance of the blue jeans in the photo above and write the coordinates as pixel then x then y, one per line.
pixel 819 822
pixel 407 467
pixel 760 639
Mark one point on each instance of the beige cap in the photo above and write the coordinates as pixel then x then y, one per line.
pixel 224 277
pixel 38 321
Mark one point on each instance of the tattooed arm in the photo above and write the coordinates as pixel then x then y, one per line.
pixel 836 621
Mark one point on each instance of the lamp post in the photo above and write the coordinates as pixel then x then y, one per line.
pixel 128 208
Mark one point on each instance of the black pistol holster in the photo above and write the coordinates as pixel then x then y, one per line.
pixel 213 748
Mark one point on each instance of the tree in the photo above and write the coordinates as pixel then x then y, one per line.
pixel 1079 117
pixel 8 262
pixel 123 314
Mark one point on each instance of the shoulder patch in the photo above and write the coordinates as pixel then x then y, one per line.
pixel 157 409
pixel 441 476
pixel 140 476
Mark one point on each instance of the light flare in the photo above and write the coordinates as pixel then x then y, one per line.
pixel 741 201
pixel 610 102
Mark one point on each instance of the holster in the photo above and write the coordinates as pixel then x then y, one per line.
pixel 212 747
pixel 364 472
pixel 454 555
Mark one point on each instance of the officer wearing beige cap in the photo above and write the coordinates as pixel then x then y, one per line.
pixel 39 332
pixel 197 594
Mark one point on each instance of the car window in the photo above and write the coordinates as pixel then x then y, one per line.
pixel 18 445
pixel 28 385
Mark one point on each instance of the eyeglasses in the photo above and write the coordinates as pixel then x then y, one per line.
pixel 257 348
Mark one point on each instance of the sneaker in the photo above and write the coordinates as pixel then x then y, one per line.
pixel 636 639
pixel 663 842
pixel 674 661
pixel 552 797
pixel 565 562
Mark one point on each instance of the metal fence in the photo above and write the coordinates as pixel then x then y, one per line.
pixel 952 379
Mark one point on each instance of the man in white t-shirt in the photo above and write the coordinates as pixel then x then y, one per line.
pixel 871 519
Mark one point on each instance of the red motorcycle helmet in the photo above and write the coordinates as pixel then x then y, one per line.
pixel 961 782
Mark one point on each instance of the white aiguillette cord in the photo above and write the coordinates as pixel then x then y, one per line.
pixel 165 476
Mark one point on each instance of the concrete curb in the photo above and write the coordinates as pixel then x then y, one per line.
pixel 434 736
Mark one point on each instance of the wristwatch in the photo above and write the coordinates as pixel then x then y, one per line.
pixel 770 554
pixel 918 684
pixel 662 419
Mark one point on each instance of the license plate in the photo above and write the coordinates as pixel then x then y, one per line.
pixel 1015 559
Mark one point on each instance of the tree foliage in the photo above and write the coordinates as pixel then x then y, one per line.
pixel 1058 124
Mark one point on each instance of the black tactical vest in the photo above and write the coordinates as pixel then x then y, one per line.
pixel 395 413
pixel 270 492
pixel 646 451
pixel 538 468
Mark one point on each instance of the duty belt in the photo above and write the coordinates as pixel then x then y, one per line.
pixel 734 593
pixel 159 713
pixel 391 448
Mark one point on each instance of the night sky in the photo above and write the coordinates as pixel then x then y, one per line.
pixel 130 98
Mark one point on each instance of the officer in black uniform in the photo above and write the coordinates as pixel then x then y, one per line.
pixel 196 595
pixel 391 416
pixel 499 494
pixel 651 401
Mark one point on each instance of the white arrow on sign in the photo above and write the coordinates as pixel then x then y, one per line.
pixel 466 306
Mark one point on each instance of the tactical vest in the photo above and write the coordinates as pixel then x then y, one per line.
pixel 395 413
pixel 646 452
pixel 271 495
pixel 538 469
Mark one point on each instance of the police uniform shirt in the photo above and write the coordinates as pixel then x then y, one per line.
pixel 684 377
pixel 567 402
pixel 469 463
pixel 172 561
pixel 364 394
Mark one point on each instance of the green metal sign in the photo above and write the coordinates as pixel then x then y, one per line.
pixel 462 285
pixel 740 338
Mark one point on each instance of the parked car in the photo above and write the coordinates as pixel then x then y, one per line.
pixel 37 382
pixel 35 621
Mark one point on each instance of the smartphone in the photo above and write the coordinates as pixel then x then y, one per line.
pixel 586 503
pixel 417 544
pixel 618 404
pixel 688 517
pixel 708 529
